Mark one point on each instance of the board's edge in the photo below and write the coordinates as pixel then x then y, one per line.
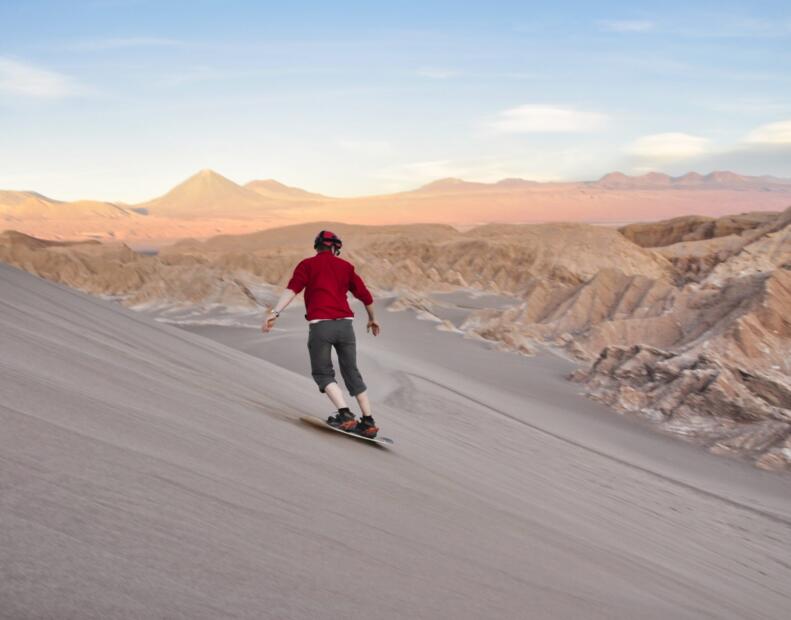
pixel 319 423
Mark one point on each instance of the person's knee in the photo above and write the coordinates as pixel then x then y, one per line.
pixel 323 373
pixel 323 379
pixel 324 383
pixel 356 391
pixel 354 382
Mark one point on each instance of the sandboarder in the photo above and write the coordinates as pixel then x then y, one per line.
pixel 327 279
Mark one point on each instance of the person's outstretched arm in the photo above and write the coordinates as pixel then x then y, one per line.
pixel 286 298
pixel 294 286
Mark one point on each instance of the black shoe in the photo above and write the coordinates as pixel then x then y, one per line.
pixel 343 420
pixel 366 427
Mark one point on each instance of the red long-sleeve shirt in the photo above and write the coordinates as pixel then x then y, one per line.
pixel 326 280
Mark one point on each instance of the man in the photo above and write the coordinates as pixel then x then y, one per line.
pixel 327 279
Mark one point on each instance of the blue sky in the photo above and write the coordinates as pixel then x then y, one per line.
pixel 122 99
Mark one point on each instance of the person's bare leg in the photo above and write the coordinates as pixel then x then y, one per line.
pixel 333 391
pixel 365 404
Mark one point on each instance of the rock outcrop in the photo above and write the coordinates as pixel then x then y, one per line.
pixel 116 271
pixel 693 228
pixel 726 380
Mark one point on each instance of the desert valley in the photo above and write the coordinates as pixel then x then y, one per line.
pixel 537 378
pixel 680 321
pixel 413 310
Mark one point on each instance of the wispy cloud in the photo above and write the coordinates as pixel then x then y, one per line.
pixel 734 26
pixel 366 147
pixel 668 146
pixel 533 164
pixel 95 45
pixel 26 80
pixel 764 150
pixel 437 73
pixel 423 171
pixel 751 105
pixel 539 118
pixel 771 133
pixel 625 25
pixel 704 26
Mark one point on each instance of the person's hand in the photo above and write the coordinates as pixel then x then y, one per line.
pixel 269 323
pixel 373 327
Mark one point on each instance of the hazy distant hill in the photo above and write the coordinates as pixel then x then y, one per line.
pixel 276 190
pixel 21 206
pixel 208 203
pixel 721 179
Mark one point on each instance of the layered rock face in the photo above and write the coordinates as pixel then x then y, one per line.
pixel 117 271
pixel 701 346
pixel 693 228
pixel 725 379
pixel 429 257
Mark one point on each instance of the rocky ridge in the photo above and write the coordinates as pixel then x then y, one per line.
pixel 115 270
pixel 724 377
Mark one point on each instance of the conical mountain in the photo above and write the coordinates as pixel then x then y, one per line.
pixel 209 194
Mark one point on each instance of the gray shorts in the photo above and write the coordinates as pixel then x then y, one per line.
pixel 339 334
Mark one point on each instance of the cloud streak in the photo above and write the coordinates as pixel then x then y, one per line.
pixel 113 43
pixel 771 133
pixel 533 164
pixel 366 147
pixel 668 146
pixel 539 118
pixel 766 149
pixel 26 80
pixel 437 73
pixel 625 25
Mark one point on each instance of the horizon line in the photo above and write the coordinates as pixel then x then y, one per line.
pixel 244 185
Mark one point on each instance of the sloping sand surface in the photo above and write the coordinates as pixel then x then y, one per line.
pixel 146 472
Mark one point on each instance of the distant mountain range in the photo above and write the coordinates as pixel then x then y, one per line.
pixel 208 203
pixel 721 179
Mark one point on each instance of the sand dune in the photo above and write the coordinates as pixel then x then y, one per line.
pixel 152 473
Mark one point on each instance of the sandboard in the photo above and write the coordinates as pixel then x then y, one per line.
pixel 314 421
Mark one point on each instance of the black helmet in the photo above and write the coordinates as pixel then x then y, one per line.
pixel 328 239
